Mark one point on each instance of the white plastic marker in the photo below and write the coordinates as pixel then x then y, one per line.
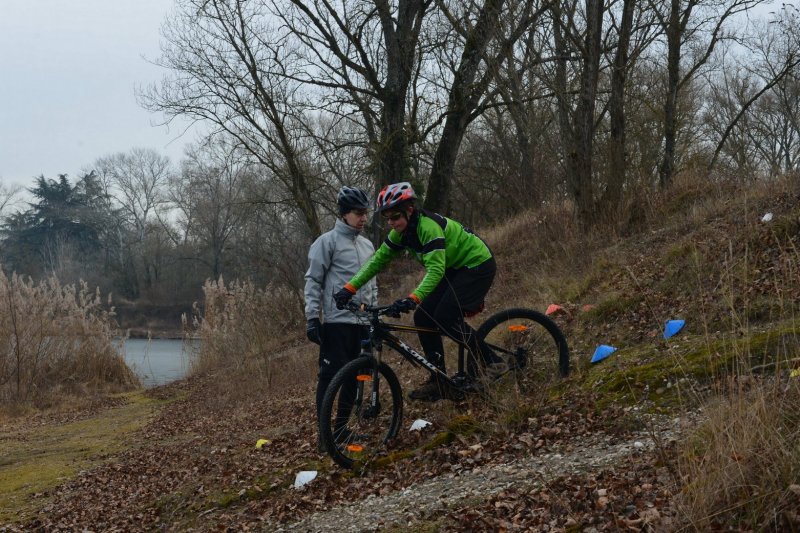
pixel 419 424
pixel 304 477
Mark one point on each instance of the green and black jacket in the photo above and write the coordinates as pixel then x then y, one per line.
pixel 439 243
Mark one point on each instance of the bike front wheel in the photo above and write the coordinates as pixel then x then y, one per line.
pixel 361 411
pixel 530 342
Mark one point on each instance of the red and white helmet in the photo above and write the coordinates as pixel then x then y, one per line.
pixel 393 195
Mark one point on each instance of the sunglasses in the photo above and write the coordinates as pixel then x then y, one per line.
pixel 393 217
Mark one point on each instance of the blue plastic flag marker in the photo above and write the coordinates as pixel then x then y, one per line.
pixel 673 327
pixel 602 352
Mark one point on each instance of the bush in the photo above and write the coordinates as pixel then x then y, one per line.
pixel 242 329
pixel 56 340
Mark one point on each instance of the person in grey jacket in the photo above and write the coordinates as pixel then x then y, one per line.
pixel 333 259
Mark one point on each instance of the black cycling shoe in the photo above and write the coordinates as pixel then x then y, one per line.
pixel 430 391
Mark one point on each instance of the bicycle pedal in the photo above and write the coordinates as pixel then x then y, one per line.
pixel 472 386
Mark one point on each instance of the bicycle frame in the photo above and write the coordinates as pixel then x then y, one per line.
pixel 380 334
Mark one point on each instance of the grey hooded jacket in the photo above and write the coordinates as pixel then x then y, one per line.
pixel 333 259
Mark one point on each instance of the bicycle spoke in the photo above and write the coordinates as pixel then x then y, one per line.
pixel 360 413
pixel 531 344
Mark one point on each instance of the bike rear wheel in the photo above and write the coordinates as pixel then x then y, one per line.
pixel 361 411
pixel 530 342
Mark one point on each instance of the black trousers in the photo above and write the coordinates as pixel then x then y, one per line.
pixel 461 290
pixel 341 343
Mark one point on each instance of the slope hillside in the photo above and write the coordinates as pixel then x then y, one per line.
pixel 624 444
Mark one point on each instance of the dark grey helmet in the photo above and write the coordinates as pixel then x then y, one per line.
pixel 350 198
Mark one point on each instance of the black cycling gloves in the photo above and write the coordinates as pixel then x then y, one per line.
pixel 314 331
pixel 403 305
pixel 343 297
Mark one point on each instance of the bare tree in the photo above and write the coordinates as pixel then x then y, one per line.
pixel 699 25
pixel 137 180
pixel 211 195
pixel 224 58
pixel 509 161
pixel 774 126
pixel 487 44
pixel 578 124
pixel 265 72
pixel 772 68
pixel 8 196
pixel 617 163
pixel 363 55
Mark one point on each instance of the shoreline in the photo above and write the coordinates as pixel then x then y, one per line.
pixel 144 334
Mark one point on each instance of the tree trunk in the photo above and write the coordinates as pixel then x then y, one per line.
pixel 616 108
pixel 564 108
pixel 671 102
pixel 578 133
pixel 393 153
pixel 401 37
pixel 462 101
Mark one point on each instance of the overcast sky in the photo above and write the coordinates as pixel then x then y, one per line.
pixel 68 73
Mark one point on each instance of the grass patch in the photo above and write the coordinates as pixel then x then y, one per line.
pixel 37 460
pixel 258 487
pixel 742 466
pixel 612 306
pixel 655 371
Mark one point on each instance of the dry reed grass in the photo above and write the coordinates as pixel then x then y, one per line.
pixel 743 464
pixel 535 251
pixel 58 343
pixel 251 339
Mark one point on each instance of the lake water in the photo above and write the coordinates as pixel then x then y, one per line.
pixel 157 361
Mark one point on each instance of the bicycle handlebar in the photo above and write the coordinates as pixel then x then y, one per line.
pixel 380 310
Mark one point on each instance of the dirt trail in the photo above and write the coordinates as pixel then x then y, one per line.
pixel 434 498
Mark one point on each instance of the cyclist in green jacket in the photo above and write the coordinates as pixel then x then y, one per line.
pixel 459 270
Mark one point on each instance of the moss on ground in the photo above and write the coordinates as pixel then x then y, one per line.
pixel 38 459
pixel 464 425
pixel 656 371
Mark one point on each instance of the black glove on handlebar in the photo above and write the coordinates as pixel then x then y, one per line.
pixel 314 331
pixel 342 298
pixel 403 305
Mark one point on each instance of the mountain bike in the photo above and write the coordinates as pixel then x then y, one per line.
pixel 362 409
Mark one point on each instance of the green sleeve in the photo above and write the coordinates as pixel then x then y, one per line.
pixel 387 251
pixel 433 257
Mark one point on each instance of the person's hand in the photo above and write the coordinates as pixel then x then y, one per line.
pixel 343 297
pixel 403 305
pixel 314 331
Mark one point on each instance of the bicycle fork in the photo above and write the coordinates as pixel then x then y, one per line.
pixel 372 380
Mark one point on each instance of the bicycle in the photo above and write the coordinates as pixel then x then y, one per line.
pixel 359 416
